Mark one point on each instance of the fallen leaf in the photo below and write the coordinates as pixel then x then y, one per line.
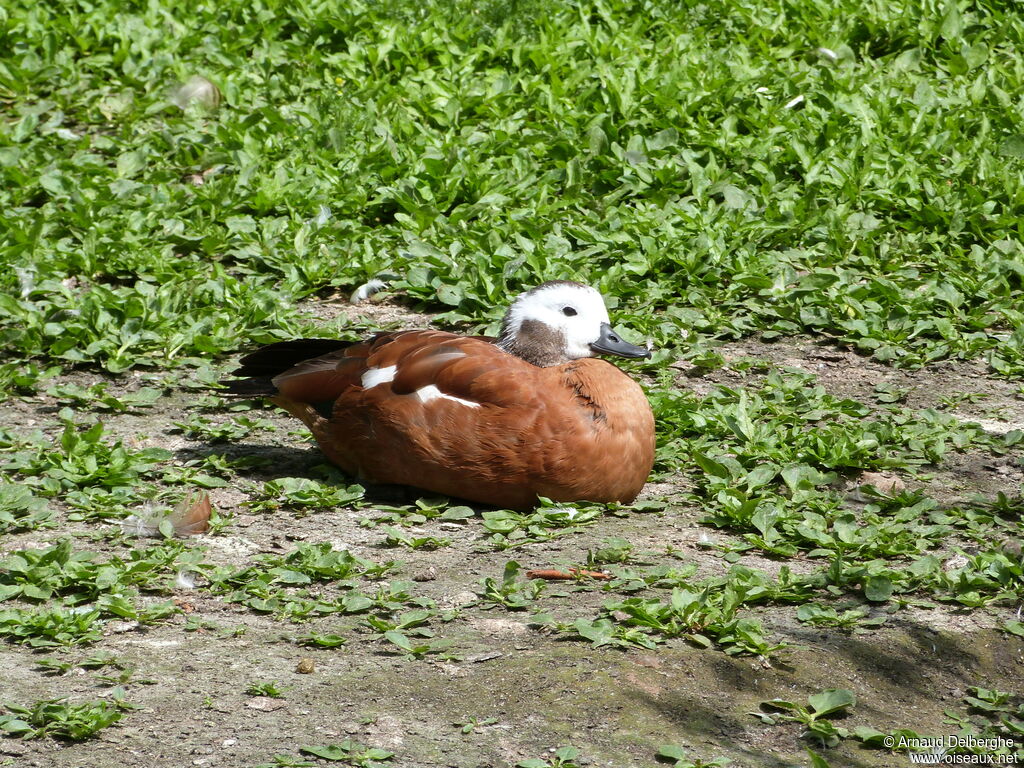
pixel 186 607
pixel 573 573
pixel 888 484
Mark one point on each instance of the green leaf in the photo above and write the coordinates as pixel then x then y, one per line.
pixel 1012 146
pixel 782 704
pixel 332 752
pixel 671 752
pixel 14 725
pixel 760 476
pixel 458 513
pixel 1014 628
pixel 130 163
pixel 817 761
pixel 831 700
pixel 286 576
pixel 870 736
pixel 599 632
pixel 399 639
pixel 878 588
pixel 952 22
pixel 711 466
pixel 34 592
pixel 450 294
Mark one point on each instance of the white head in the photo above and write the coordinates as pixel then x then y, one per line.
pixel 560 321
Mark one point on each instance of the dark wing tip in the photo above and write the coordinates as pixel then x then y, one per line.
pixel 258 368
pixel 261 386
pixel 278 357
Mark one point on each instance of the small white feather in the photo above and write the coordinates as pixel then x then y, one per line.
pixel 146 524
pixel 26 280
pixel 198 91
pixel 363 292
pixel 374 376
pixel 430 392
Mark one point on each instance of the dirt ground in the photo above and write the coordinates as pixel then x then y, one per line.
pixel 530 691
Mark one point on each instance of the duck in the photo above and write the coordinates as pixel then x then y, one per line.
pixel 498 421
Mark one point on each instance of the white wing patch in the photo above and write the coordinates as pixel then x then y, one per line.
pixel 374 376
pixel 430 392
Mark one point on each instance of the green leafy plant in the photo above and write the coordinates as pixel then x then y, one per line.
pixel 563 757
pixel 58 718
pixel 815 716
pixel 615 550
pixel 471 724
pixel 995 718
pixel 20 509
pixel 238 427
pixel 826 616
pixel 512 529
pixel 419 512
pixel 82 459
pixel 351 753
pixel 318 640
pixel 678 757
pixel 602 632
pixel 510 592
pixel 96 397
pixel 50 628
pixel 702 617
pixel 305 494
pixel 269 689
pixel 409 633
pixel 415 648
pixel 395 538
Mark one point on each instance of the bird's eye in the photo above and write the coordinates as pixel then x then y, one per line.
pixel 569 311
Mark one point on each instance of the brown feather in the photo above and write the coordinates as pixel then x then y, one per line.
pixel 192 514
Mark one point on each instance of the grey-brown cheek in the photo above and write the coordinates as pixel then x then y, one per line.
pixel 537 343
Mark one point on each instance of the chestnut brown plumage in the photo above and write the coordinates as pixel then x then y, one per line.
pixel 463 417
